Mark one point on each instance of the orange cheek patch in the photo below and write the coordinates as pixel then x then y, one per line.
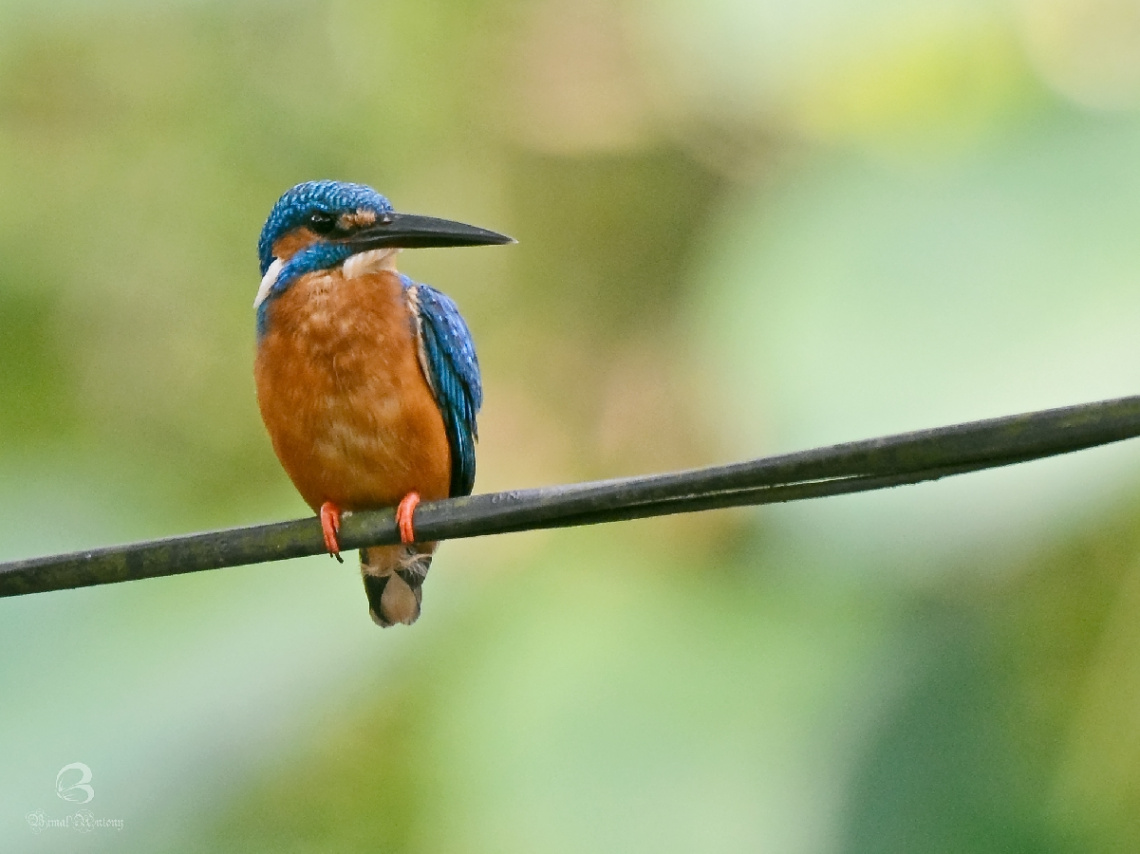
pixel 290 244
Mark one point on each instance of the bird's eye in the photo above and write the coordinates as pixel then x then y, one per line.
pixel 321 222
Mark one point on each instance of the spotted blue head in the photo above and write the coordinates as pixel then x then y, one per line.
pixel 315 204
pixel 319 225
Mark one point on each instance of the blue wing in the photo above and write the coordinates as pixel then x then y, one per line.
pixel 448 357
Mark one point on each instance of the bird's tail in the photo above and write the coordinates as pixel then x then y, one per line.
pixel 393 580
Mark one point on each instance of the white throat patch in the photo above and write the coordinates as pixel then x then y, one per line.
pixel 372 261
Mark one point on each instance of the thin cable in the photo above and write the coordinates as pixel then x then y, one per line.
pixel 836 470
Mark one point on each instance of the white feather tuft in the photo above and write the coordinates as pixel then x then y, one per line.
pixel 372 261
pixel 268 281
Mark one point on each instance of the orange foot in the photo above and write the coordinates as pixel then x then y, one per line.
pixel 404 514
pixel 330 525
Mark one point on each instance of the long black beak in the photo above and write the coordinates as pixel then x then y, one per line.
pixel 413 231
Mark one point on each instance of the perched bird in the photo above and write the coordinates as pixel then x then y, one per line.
pixel 367 382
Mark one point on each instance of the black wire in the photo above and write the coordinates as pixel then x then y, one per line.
pixel 840 469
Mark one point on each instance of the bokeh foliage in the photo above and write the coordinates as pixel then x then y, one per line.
pixel 745 227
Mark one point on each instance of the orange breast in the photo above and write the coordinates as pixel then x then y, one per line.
pixel 341 391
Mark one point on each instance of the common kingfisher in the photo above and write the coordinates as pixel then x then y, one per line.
pixel 367 381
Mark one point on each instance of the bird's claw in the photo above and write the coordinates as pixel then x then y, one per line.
pixel 330 526
pixel 405 514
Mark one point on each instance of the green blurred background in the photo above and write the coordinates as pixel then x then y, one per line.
pixel 744 227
